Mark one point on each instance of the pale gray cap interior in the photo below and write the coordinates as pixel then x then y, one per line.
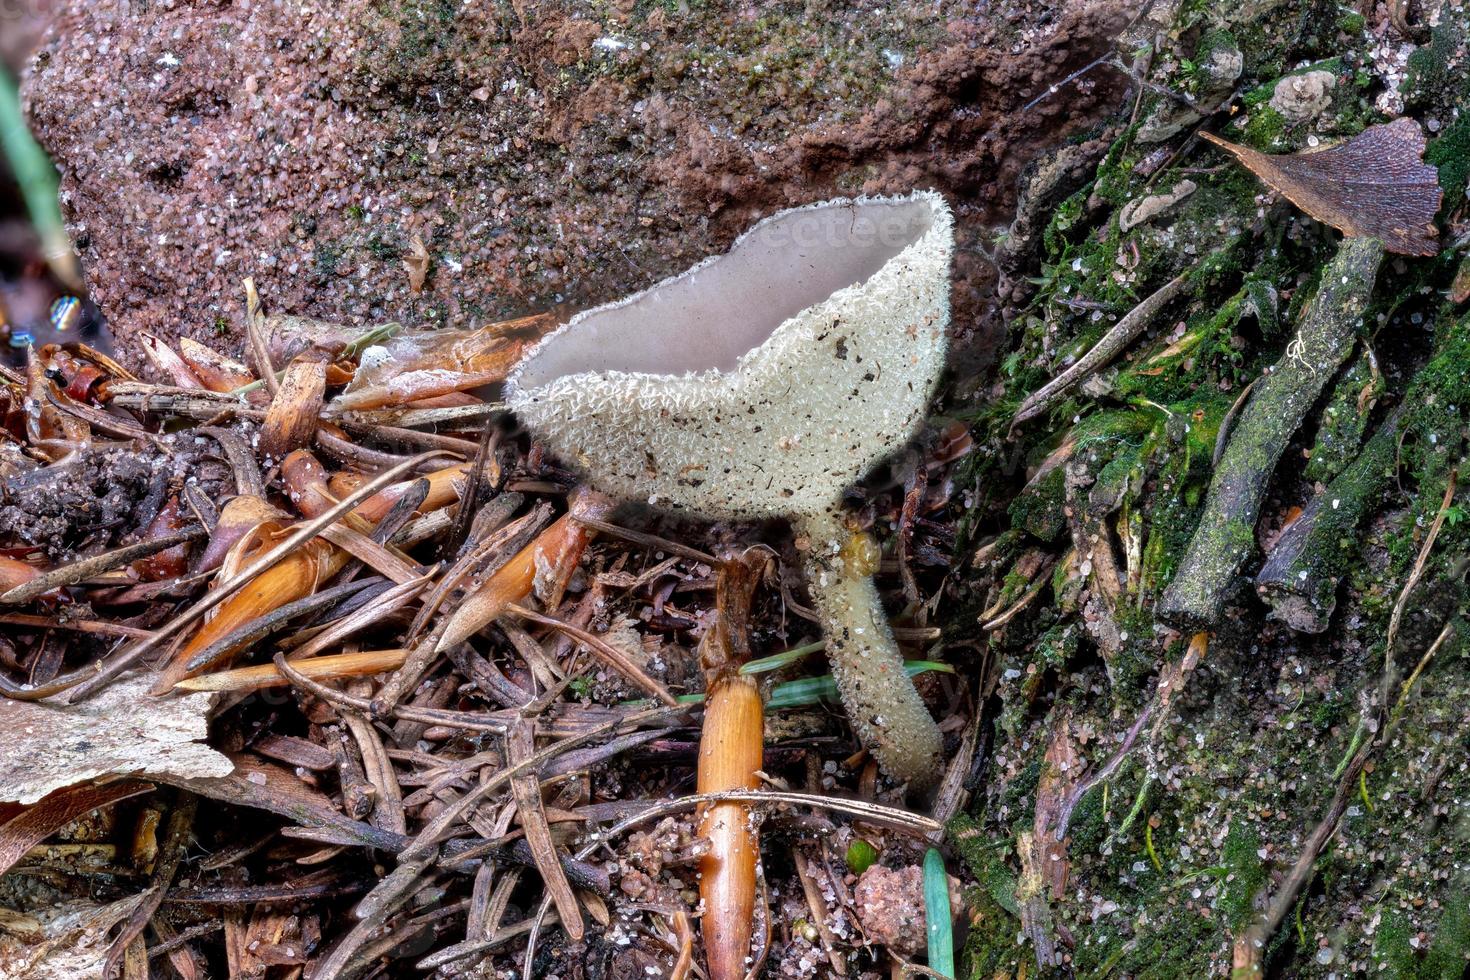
pixel 710 316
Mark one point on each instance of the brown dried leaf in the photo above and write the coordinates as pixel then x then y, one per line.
pixel 289 336
pixel 44 747
pixel 416 262
pixel 33 824
pixel 415 366
pixel 1375 185
pixel 167 362
pixel 260 785
pixel 1460 288
pixel 214 370
pixel 291 420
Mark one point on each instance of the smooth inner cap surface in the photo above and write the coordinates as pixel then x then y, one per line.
pixel 717 312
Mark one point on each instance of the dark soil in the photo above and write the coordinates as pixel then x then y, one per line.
pixel 100 496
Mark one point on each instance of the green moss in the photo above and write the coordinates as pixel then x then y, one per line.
pixel 1450 152
pixel 1265 129
pixel 1184 948
pixel 1020 792
pixel 1451 945
pixel 1245 874
pixel 990 949
pixel 1089 826
pixel 1064 218
pixel 991 904
pixel 1115 172
pixel 328 256
pixel 1435 72
pixel 382 249
pixel 1393 957
pixel 1058 645
pixel 1344 421
pixel 1039 509
pixel 1352 23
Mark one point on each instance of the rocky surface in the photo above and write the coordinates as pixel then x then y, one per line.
pixel 547 154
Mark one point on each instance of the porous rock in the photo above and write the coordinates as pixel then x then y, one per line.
pixel 547 153
pixel 1302 98
pixel 890 907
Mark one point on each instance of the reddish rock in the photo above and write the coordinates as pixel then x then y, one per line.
pixel 890 907
pixel 546 157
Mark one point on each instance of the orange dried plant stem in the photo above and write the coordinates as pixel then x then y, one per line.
pixel 362 664
pixel 731 747
pixel 559 548
pixel 730 751
pixel 294 577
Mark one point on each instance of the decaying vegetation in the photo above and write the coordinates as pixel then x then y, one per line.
pixel 1182 579
pixel 416 645
pixel 1229 712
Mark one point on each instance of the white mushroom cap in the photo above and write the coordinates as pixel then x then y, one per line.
pixel 762 381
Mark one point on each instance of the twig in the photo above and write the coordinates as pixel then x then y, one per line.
pixel 1123 333
pixel 924 827
pixel 1300 576
pixel 1248 948
pixel 242 462
pixel 426 716
pixel 175 842
pixel 604 651
pixel 88 681
pixel 1398 706
pixel 94 626
pixel 652 541
pixel 422 850
pixel 262 626
pixel 1417 572
pixel 1224 538
pixel 254 330
pixel 818 906
pixel 361 664
pixel 526 790
pixel 1227 423
pixel 383 605
pixel 86 568
pixel 1103 772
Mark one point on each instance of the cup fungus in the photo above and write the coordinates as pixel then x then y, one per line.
pixel 761 383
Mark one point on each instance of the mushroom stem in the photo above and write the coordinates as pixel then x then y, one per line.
pixel 886 711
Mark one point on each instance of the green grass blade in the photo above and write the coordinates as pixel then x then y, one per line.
pixel 37 180
pixel 815 690
pixel 937 914
pixel 778 660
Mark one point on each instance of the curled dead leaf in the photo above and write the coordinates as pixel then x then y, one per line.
pixel 1138 211
pixel 1376 185
pixel 292 417
pixel 416 262
pixel 416 366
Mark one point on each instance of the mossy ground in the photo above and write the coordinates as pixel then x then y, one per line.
pixel 1179 850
